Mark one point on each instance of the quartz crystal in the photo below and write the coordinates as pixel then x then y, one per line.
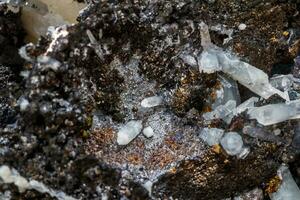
pixel 148 132
pixel 249 103
pixel 214 59
pixel 222 112
pixel 228 91
pixel 232 143
pixel 211 136
pixel 275 113
pixel 8 175
pixel 151 102
pixel 129 131
pixel 288 189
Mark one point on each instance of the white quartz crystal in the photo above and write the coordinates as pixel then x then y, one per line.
pixel 275 113
pixel 129 131
pixel 242 27
pixel 222 112
pixel 214 59
pixel 232 143
pixel 227 91
pixel 208 62
pixel 8 176
pixel 148 132
pixel 288 189
pixel 151 102
pixel 148 186
pixel 249 103
pixel 211 136
pixel 23 103
pixel 12 176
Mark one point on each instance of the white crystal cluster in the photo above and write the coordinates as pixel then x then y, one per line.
pixel 288 189
pixel 11 176
pixel 214 59
pixel 231 142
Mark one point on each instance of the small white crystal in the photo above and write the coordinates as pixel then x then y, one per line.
pixel 288 189
pixel 228 91
pixel 23 52
pixel 232 143
pixel 12 176
pixel 275 113
pixel 244 153
pixel 208 62
pixel 242 26
pixel 148 186
pixel 211 136
pixel 24 103
pixel 148 132
pixel 5 174
pixel 222 112
pixel 151 102
pixel 129 131
pixel 21 183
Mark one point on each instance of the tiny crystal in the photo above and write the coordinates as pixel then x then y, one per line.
pixel 232 143
pixel 222 112
pixel 23 103
pixel 151 102
pixel 129 131
pixel 148 132
pixel 211 136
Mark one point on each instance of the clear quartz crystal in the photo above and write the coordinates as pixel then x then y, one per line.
pixel 227 91
pixel 211 136
pixel 288 189
pixel 150 102
pixel 275 113
pixel 249 103
pixel 214 59
pixel 222 112
pixel 129 131
pixel 148 132
pixel 232 143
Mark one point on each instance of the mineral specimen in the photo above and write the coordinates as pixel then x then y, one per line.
pixel 275 113
pixel 148 132
pixel 73 102
pixel 151 102
pixel 129 131
pixel 12 176
pixel 214 59
pixel 211 136
pixel 232 143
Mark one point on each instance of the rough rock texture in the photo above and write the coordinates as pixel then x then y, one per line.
pixel 118 54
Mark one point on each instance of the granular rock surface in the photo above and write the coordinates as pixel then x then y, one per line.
pixel 64 100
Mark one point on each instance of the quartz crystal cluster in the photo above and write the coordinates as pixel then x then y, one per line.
pixel 142 99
